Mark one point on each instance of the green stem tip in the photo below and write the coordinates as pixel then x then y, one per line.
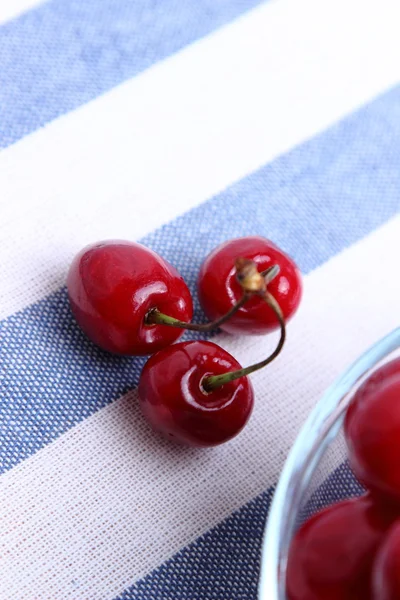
pixel 155 317
pixel 214 381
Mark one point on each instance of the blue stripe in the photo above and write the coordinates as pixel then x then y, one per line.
pixel 339 485
pixel 66 52
pixel 224 563
pixel 314 201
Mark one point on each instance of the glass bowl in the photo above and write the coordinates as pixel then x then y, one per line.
pixel 316 472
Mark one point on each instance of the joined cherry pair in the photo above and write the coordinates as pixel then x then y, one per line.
pixel 130 301
pixel 351 550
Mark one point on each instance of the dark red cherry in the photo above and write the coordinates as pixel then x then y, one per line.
pixel 219 289
pixel 112 286
pixel 174 402
pixel 386 571
pixel 331 555
pixel 372 431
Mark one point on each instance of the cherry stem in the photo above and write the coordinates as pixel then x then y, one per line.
pixel 154 316
pixel 214 381
pixel 270 273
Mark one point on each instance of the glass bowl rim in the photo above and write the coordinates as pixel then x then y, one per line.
pixel 321 426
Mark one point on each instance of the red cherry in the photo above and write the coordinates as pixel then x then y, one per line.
pixel 332 553
pixel 174 402
pixel 219 289
pixel 386 571
pixel 112 285
pixel 372 431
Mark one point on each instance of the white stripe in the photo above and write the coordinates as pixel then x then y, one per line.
pixel 10 9
pixel 161 143
pixel 108 501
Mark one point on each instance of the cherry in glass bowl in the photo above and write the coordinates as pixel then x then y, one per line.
pixel 316 473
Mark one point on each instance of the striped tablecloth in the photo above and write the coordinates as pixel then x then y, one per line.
pixel 180 124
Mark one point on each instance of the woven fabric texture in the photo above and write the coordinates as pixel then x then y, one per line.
pixel 180 125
